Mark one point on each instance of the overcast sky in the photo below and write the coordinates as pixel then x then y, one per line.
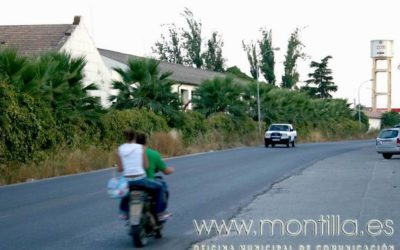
pixel 342 29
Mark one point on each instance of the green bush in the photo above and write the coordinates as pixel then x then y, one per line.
pixel 194 124
pixel 27 130
pixel 246 125
pixel 390 119
pixel 115 121
pixel 221 122
pixel 80 134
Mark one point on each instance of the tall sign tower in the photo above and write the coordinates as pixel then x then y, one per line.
pixel 381 51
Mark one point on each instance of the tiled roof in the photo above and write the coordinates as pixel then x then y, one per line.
pixel 181 74
pixel 371 114
pixel 35 39
pixel 378 113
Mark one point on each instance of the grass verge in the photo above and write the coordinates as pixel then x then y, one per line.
pixel 68 161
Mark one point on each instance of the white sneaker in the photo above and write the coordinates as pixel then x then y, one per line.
pixel 164 216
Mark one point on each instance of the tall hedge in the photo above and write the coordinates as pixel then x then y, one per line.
pixel 390 119
pixel 194 124
pixel 115 121
pixel 27 130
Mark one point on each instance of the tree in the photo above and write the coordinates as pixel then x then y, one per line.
pixel 390 119
pixel 185 46
pixel 236 72
pixel 44 105
pixel 192 39
pixel 55 80
pixel 213 59
pixel 294 52
pixel 267 62
pixel 170 50
pixel 321 82
pixel 64 90
pixel 143 86
pixel 251 51
pixel 219 95
pixel 362 116
pixel 250 97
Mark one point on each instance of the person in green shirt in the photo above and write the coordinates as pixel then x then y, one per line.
pixel 155 165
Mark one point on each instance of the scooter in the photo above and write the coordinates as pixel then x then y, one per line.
pixel 143 223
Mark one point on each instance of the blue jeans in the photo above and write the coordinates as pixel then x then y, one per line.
pixel 153 187
pixel 164 192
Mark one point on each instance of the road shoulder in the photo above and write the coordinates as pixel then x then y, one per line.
pixel 359 186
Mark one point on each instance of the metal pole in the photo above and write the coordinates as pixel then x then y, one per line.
pixel 258 104
pixel 359 107
pixel 359 104
pixel 258 95
pixel 374 96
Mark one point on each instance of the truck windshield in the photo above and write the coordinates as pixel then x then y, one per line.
pixel 279 128
pixel 388 134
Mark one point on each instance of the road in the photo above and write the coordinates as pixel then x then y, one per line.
pixel 74 212
pixel 358 189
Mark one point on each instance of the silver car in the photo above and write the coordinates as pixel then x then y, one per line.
pixel 388 142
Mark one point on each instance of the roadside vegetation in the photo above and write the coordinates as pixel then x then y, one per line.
pixel 50 123
pixel 390 119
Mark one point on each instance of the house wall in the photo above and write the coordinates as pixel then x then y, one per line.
pixel 374 123
pixel 190 88
pixel 81 44
pixel 110 63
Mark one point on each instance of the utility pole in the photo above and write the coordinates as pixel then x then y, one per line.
pixel 359 104
pixel 258 93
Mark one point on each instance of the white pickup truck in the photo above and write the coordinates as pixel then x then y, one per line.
pixel 280 134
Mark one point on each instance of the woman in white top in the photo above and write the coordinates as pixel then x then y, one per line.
pixel 132 160
pixel 131 157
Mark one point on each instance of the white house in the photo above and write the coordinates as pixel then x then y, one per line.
pixel 374 119
pixel 32 40
pixel 187 78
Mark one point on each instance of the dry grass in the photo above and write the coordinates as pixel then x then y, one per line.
pixel 318 136
pixel 168 144
pixel 216 141
pixel 65 162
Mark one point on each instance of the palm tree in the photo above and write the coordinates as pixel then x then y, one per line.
pixel 142 85
pixel 53 80
pixel 250 97
pixel 64 90
pixel 219 95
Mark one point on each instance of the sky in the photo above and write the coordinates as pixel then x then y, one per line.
pixel 342 29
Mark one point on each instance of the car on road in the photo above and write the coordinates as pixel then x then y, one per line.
pixel 388 142
pixel 280 134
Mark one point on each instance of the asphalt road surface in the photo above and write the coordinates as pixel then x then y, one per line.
pixel 74 212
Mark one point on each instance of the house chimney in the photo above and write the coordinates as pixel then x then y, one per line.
pixel 77 20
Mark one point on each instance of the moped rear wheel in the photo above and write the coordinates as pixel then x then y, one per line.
pixel 158 234
pixel 139 236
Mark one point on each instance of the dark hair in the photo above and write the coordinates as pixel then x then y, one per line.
pixel 129 134
pixel 141 138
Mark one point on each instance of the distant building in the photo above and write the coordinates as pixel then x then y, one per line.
pixel 375 118
pixel 33 40
pixel 186 78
